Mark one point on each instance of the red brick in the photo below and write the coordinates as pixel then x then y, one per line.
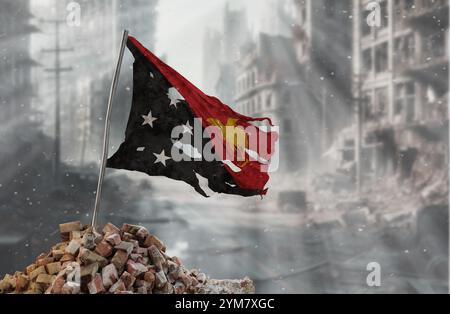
pixel 150 278
pixel 142 234
pixel 128 280
pixel 156 257
pixel 132 229
pixel 66 228
pixel 125 246
pixel 117 287
pixel 113 239
pixel 177 260
pixel 89 270
pixel 109 275
pixel 89 257
pixel 135 269
pixel 58 284
pixel 110 228
pixel 73 247
pixel 120 259
pixel 160 279
pixel 104 249
pixel 96 285
pixel 153 240
pixel 141 250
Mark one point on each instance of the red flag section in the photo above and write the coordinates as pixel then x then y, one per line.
pixel 250 173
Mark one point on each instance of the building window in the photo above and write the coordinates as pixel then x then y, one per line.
pixel 405 50
pixel 269 101
pixel 384 14
pixel 381 58
pixel 258 101
pixel 368 110
pixel 381 102
pixel 367 60
pixel 405 101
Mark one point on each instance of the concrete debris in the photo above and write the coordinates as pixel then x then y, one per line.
pixel 128 260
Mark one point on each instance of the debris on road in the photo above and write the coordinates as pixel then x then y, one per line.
pixel 118 261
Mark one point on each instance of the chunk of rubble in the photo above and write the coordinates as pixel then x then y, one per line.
pixel 127 260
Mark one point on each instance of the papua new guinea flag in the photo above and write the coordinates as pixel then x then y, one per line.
pixel 177 131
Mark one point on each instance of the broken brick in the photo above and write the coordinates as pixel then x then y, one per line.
pixel 44 261
pixel 57 254
pixel 39 270
pixel 153 240
pixel 141 250
pixel 95 286
pixel 53 268
pixel 132 229
pixel 73 247
pixel 113 239
pixel 177 260
pixel 125 246
pixel 156 257
pixel 142 234
pixel 89 257
pixel 128 280
pixel 89 270
pixel 22 282
pixel 30 268
pixel 160 279
pixel 66 228
pixel 135 269
pixel 110 228
pixel 150 278
pixel 117 287
pixel 57 285
pixel 104 249
pixel 120 259
pixel 75 235
pixel 67 258
pixel 45 279
pixel 109 275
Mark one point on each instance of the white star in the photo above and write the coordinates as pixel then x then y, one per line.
pixel 162 158
pixel 174 96
pixel 187 128
pixel 152 75
pixel 148 119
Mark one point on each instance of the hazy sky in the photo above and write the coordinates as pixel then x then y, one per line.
pixel 182 23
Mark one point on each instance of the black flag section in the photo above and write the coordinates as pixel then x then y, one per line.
pixel 157 108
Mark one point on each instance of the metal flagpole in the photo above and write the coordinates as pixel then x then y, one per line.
pixel 112 93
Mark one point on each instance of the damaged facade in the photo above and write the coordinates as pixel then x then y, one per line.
pixel 401 87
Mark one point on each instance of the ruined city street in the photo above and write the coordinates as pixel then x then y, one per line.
pixel 281 252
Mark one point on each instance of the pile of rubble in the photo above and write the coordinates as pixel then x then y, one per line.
pixel 119 261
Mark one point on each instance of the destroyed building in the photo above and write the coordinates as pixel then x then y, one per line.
pixel 267 86
pixel 16 102
pixel 323 41
pixel 401 85
pixel 16 64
